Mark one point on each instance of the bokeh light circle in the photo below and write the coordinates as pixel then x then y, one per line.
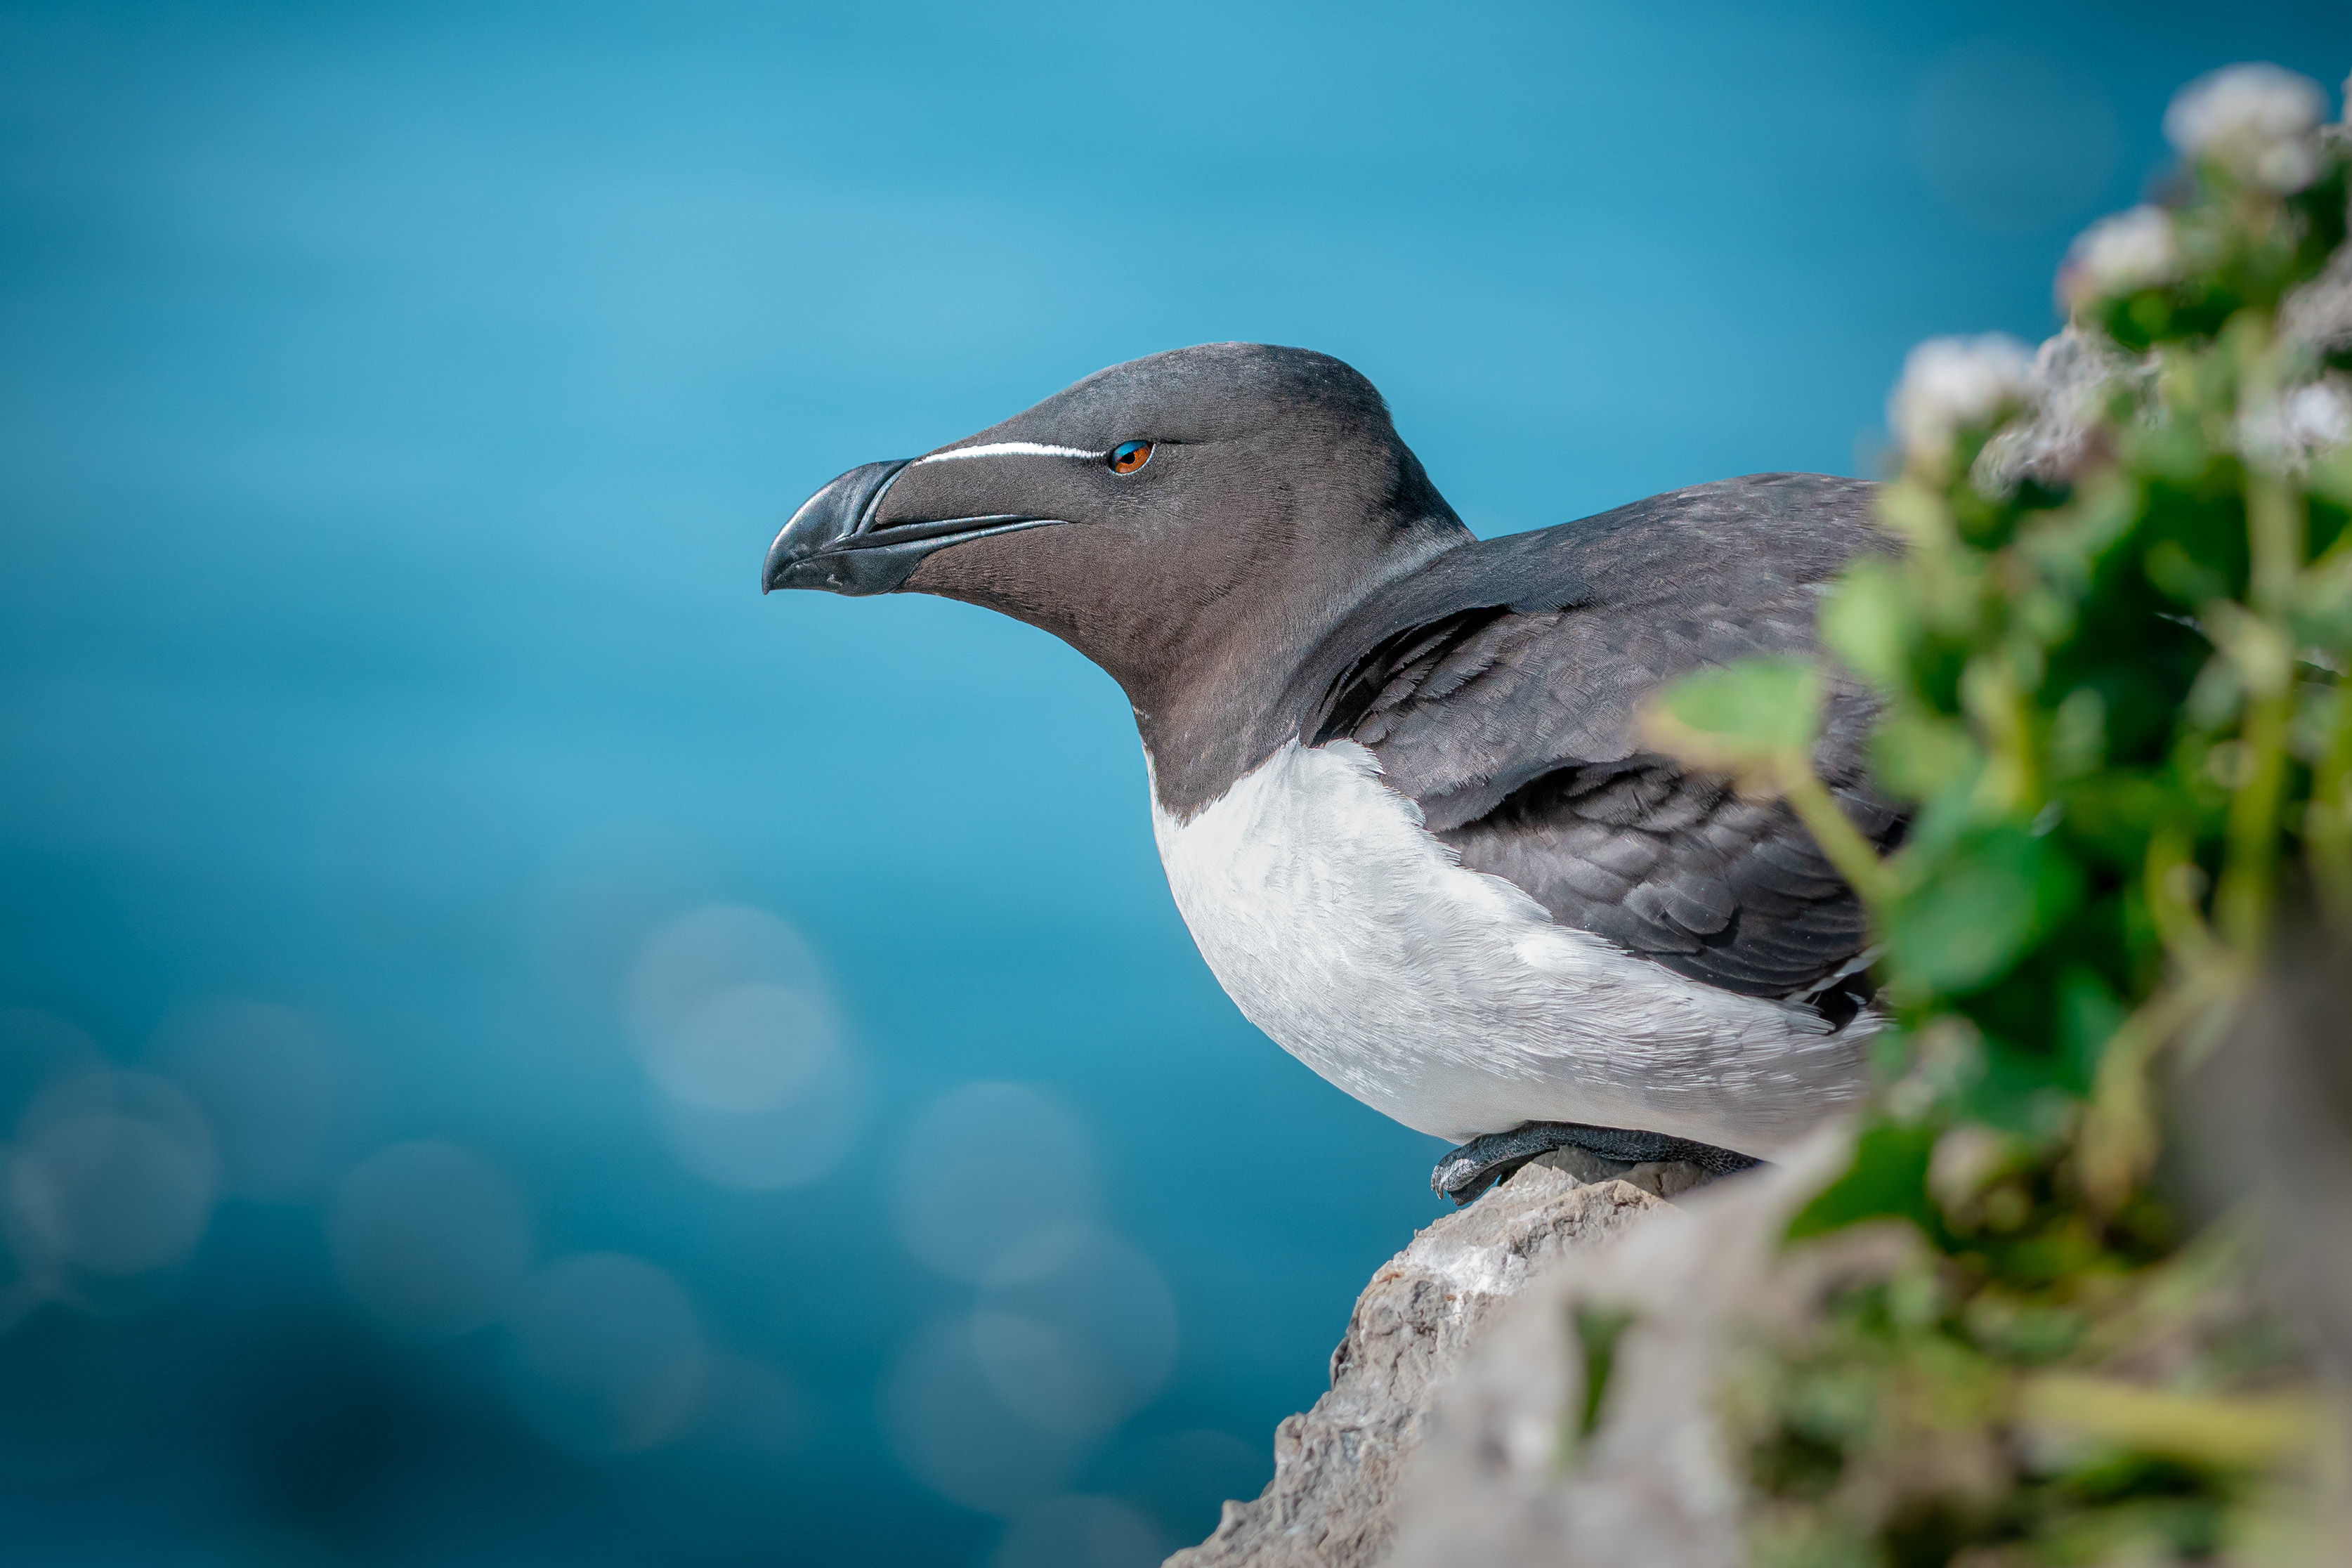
pixel 113 1173
pixel 271 1082
pixel 984 1168
pixel 952 1429
pixel 1075 1330
pixel 757 1087
pixel 1081 1531
pixel 605 1355
pixel 430 1239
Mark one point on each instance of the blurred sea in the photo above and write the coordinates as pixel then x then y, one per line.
pixel 517 1050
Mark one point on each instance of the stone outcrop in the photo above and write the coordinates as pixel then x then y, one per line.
pixel 1506 1478
pixel 1339 1467
pixel 2268 1119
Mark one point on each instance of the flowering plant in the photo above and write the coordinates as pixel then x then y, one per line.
pixel 2111 663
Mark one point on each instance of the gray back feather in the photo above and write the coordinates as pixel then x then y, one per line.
pixel 1499 688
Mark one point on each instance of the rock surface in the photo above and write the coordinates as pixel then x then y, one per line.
pixel 1504 1478
pixel 1338 1468
pixel 2268 1115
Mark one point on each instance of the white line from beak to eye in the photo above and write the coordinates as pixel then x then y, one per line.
pixel 1006 449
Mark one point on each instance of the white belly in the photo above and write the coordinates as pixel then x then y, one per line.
pixel 1448 999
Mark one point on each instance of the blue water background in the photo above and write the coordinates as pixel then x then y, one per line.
pixel 394 404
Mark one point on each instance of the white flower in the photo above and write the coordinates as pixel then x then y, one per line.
pixel 1948 383
pixel 2120 254
pixel 2306 424
pixel 2255 120
pixel 2316 418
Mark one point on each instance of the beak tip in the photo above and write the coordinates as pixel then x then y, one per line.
pixel 822 522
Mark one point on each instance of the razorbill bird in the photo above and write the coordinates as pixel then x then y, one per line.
pixel 1394 772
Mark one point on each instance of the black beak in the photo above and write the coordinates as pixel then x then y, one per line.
pixel 832 542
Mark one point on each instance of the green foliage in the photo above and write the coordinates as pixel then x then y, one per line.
pixel 2116 702
pixel 1597 1330
pixel 1888 1179
pixel 1756 719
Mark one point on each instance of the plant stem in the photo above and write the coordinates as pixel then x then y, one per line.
pixel 2119 1137
pixel 2275 529
pixel 1842 843
pixel 2202 1428
pixel 2173 883
pixel 2274 534
pixel 2242 907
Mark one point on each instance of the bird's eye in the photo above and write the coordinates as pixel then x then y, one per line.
pixel 1129 456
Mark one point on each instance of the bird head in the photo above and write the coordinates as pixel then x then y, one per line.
pixel 1159 516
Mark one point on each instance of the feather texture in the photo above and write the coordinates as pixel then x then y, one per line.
pixel 1499 691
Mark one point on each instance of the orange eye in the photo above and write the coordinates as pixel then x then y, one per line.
pixel 1129 456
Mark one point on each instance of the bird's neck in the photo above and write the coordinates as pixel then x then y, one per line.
pixel 1210 716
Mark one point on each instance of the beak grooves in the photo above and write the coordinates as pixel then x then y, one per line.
pixel 832 543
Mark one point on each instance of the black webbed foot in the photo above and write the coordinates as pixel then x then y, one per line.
pixel 1487 1159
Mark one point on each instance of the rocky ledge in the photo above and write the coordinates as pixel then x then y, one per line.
pixel 1339 1468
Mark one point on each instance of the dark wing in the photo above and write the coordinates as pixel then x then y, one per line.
pixel 1498 690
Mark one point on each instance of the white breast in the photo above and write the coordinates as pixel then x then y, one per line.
pixel 1448 999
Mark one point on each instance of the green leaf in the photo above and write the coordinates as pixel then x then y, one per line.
pixel 2020 1092
pixel 1597 1330
pixel 2088 1013
pixel 1888 1178
pixel 1919 755
pixel 1753 718
pixel 2114 813
pixel 1978 912
pixel 2078 733
pixel 2323 607
pixel 2332 475
pixel 1867 623
pixel 2171 569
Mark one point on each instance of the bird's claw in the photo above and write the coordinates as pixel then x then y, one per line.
pixel 1487 1159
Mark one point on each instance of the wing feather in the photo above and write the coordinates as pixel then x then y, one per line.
pixel 1504 705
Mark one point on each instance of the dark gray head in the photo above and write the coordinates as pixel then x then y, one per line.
pixel 1193 522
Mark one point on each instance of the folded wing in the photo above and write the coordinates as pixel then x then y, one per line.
pixel 1498 690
